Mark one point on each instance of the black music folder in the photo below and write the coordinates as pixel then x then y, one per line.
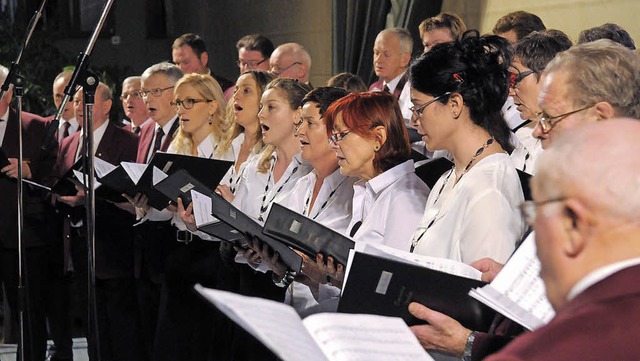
pixel 207 171
pixel 179 185
pixel 386 287
pixel 306 235
pixel 432 170
pixel 4 161
pixel 234 217
pixel 525 179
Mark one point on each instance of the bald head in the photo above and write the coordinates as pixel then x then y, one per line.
pixel 291 60
pixel 101 106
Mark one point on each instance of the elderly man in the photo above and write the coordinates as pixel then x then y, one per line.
pixel 585 212
pixel 291 60
pixel 68 123
pixel 189 53
pixel 115 293
pixel 134 107
pixel 587 83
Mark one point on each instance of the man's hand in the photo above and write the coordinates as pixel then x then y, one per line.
pixel 443 333
pixel 488 267
pixel 11 170
pixel 73 201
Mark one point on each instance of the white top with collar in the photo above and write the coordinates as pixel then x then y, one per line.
pixel 233 178
pixel 389 207
pixel 527 152
pixel 3 125
pixel 475 218
pixel 98 133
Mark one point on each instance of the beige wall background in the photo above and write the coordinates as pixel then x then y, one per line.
pixel 570 16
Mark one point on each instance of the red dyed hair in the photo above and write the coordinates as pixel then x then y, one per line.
pixel 362 112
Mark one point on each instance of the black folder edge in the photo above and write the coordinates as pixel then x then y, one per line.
pixel 525 179
pixel 430 171
pixel 119 181
pixel 380 286
pixel 232 216
pixel 179 185
pixel 4 160
pixel 338 247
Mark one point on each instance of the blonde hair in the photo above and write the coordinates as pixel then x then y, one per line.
pixel 294 91
pixel 230 128
pixel 209 89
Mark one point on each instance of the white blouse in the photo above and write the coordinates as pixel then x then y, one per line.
pixel 475 218
pixel 388 207
pixel 526 153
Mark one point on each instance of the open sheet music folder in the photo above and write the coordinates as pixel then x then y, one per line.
pixel 231 215
pixel 386 287
pixel 306 235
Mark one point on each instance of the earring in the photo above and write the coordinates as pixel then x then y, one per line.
pixel 210 119
pixel 376 148
pixel 455 115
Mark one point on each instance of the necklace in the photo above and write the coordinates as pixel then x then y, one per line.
pixel 480 150
pixel 322 207
pixel 265 206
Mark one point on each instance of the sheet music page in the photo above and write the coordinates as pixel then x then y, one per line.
pixel 102 167
pixel 202 209
pixel 36 184
pixel 80 176
pixel 158 175
pixel 275 324
pixel 134 170
pixel 434 263
pixel 518 292
pixel 350 337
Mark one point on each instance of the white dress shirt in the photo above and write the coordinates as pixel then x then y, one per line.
pixel 526 153
pixel 232 178
pixel 389 207
pixel 74 126
pixel 475 218
pixel 98 133
pixel 3 125
pixel 165 129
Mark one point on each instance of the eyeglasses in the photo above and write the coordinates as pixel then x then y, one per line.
pixel 515 79
pixel 250 64
pixel 418 111
pixel 277 71
pixel 548 122
pixel 529 208
pixel 134 94
pixel 155 92
pixel 188 103
pixel 338 136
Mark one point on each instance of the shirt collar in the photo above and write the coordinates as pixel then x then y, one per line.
pixel 73 123
pixel 165 128
pixel 394 83
pixel 207 147
pixel 599 275
pixel 5 116
pixel 382 181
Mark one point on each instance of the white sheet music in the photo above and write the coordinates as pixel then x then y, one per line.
pixel 434 263
pixel 338 337
pixel 158 175
pixel 202 209
pixel 134 170
pixel 80 176
pixel 518 292
pixel 102 167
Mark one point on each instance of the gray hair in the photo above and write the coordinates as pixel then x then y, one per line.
pixel 4 71
pixel 602 71
pixel 171 71
pixel 404 36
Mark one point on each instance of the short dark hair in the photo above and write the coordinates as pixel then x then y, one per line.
pixel 324 96
pixel 522 22
pixel 476 67
pixel 561 38
pixel 256 42
pixel 194 41
pixel 536 50
pixel 609 31
pixel 362 112
pixel 453 22
pixel 348 81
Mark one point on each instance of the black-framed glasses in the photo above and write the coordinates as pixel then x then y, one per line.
pixel 338 136
pixel 529 208
pixel 418 111
pixel 136 94
pixel 188 103
pixel 277 71
pixel 515 79
pixel 547 122
pixel 250 64
pixel 155 92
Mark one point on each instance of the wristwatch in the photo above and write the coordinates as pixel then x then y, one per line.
pixel 466 356
pixel 285 281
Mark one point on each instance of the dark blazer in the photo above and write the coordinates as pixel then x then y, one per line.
pixel 599 324
pixel 41 163
pixel 146 137
pixel 114 249
pixel 379 85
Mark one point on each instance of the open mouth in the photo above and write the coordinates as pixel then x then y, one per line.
pixel 184 120
pixel 264 128
pixel 303 142
pixel 237 108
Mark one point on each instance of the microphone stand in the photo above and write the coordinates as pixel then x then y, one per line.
pixel 15 66
pixel 50 141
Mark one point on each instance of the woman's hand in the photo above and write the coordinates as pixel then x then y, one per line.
pixel 225 192
pixel 187 216
pixel 331 269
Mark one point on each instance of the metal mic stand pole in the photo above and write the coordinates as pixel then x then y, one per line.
pixel 49 141
pixel 15 66
pixel 89 84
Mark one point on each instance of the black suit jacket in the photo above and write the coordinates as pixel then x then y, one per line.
pixel 114 249
pixel 41 163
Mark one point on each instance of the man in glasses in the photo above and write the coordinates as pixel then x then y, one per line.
pixel 587 83
pixel 292 61
pixel 189 53
pixel 254 52
pixel 68 123
pixel 134 107
pixel 585 213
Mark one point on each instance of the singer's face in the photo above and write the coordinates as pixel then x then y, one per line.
pixel 101 106
pixel 160 109
pixel 277 119
pixel 134 107
pixel 312 133
pixel 58 95
pixel 526 91
pixel 195 121
pixel 187 60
